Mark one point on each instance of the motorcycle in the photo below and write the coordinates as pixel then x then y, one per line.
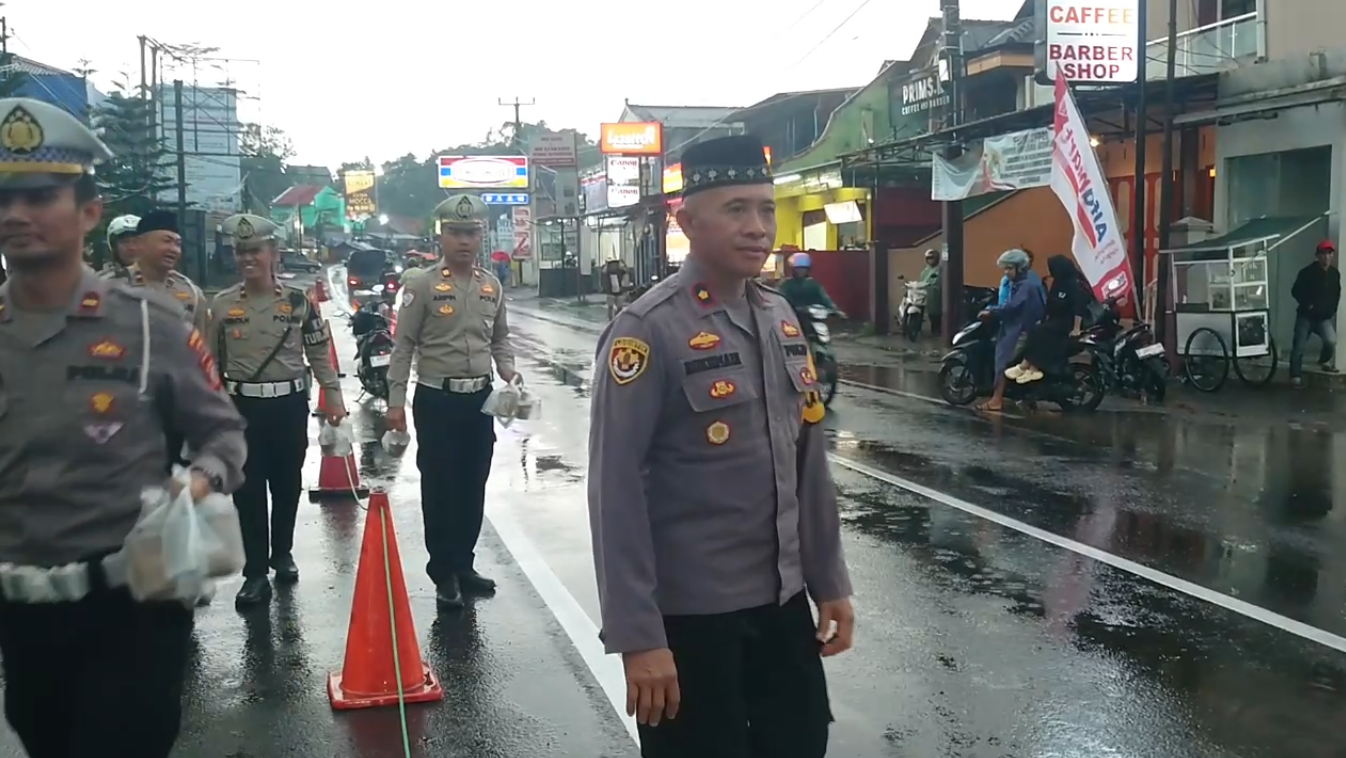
pixel 1131 362
pixel 968 372
pixel 373 349
pixel 813 319
pixel 913 310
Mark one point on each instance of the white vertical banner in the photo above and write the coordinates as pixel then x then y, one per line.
pixel 1078 181
pixel 523 233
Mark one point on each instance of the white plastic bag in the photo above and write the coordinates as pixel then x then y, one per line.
pixel 395 442
pixel 338 438
pixel 510 402
pixel 178 545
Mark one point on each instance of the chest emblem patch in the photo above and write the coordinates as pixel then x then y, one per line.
pixel 237 312
pixel 101 433
pixel 703 341
pixel 107 350
pixel 722 388
pixel 717 433
pixel 788 329
pixel 101 402
pixel 446 310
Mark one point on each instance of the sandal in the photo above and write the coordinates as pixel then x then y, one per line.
pixel 986 408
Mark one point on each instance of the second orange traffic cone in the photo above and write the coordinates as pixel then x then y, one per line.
pixel 383 658
pixel 331 352
pixel 338 478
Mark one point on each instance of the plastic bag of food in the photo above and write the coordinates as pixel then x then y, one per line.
pixel 338 438
pixel 395 442
pixel 510 402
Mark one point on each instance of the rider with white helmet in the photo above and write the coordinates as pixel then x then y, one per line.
pixel 121 232
pixel 801 289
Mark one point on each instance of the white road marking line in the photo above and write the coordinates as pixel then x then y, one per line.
pixel 1241 607
pixel 583 633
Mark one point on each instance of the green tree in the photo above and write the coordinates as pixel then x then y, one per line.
pixel 264 152
pixel 140 173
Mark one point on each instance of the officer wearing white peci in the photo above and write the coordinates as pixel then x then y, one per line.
pixel 452 322
pixel 93 376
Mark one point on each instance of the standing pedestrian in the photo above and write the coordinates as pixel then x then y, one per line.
pixel 261 331
pixel 158 248
pixel 934 292
pixel 93 375
pixel 712 509
pixel 1317 290
pixel 121 234
pixel 453 321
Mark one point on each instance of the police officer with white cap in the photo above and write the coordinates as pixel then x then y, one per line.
pixel 713 513
pixel 452 321
pixel 261 331
pixel 93 374
pixel 121 234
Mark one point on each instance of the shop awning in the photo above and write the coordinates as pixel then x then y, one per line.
pixel 1281 229
pixel 1200 89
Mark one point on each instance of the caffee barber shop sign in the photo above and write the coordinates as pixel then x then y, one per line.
pixel 924 92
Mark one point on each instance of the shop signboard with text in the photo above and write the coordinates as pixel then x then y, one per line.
pixel 554 150
pixel 358 188
pixel 623 180
pixel 483 172
pixel 522 218
pixel 1090 41
pixel 594 191
pixel 645 138
pixel 1020 160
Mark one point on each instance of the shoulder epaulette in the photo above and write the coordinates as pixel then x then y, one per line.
pixel 657 295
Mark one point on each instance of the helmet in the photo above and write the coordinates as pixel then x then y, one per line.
pixel 1013 258
pixel 801 260
pixel 120 227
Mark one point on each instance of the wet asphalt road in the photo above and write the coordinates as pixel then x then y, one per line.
pixel 975 639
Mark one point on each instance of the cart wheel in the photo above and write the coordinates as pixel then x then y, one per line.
pixel 1208 368
pixel 1258 371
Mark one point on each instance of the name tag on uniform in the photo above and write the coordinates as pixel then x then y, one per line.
pixel 712 363
pixel 797 349
pixel 124 374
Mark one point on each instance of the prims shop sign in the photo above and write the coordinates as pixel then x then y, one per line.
pixel 1093 41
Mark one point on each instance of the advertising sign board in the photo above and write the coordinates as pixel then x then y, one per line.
pixel 483 172
pixel 1092 41
pixel 632 139
pixel 554 150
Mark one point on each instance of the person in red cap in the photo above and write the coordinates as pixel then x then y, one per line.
pixel 1317 289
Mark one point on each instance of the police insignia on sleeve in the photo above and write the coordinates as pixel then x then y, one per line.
pixel 703 341
pixel 627 359
pixel 717 433
pixel 408 297
pixel 197 343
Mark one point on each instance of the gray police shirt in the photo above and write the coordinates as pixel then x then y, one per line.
pixel 82 425
pixel 709 488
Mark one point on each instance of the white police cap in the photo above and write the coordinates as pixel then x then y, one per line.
pixel 462 212
pixel 249 229
pixel 42 145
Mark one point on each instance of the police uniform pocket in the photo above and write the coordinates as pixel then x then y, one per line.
pixel 712 390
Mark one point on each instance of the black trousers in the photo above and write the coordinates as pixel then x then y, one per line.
pixel 277 436
pixel 752 686
pixel 455 443
pixel 101 678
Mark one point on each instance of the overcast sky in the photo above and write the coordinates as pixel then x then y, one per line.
pixel 393 77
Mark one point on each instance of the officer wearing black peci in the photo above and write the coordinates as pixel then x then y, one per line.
pixel 452 322
pixel 261 331
pixel 93 375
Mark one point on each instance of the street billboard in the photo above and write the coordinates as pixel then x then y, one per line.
pixel 359 192
pixel 483 172
pixel 1090 41
pixel 554 150
pixel 644 138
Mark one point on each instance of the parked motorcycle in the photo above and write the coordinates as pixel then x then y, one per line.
pixel 373 348
pixel 1130 362
pixel 813 319
pixel 968 372
pixel 913 310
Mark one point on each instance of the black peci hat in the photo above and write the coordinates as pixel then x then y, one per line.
pixel 724 162
pixel 158 221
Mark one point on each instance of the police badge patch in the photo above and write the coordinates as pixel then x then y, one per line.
pixel 627 359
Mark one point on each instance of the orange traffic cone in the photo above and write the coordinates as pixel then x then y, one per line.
pixel 338 477
pixel 383 659
pixel 320 291
pixel 321 410
pixel 331 352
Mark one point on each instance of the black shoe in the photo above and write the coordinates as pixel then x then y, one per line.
pixel 449 596
pixel 286 570
pixel 255 591
pixel 473 583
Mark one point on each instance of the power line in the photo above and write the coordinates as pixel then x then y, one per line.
pixel 863 4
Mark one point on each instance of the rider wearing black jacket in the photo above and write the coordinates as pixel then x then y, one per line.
pixel 1047 343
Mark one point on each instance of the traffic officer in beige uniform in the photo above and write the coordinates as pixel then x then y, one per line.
pixel 93 374
pixel 452 320
pixel 713 513
pixel 261 331
pixel 158 248
pixel 121 238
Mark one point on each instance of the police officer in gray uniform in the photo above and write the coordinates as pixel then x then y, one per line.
pixel 121 235
pixel 93 374
pixel 261 332
pixel 158 246
pixel 713 513
pixel 453 318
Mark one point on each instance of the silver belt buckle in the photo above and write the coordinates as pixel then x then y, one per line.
pixel 268 389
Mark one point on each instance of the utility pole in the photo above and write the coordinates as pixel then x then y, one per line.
pixel 518 119
pixel 182 172
pixel 1138 214
pixel 1166 184
pixel 952 275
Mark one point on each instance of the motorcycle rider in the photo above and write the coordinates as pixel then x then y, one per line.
pixel 802 290
pixel 1022 309
pixel 1048 341
pixel 121 233
pixel 934 291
